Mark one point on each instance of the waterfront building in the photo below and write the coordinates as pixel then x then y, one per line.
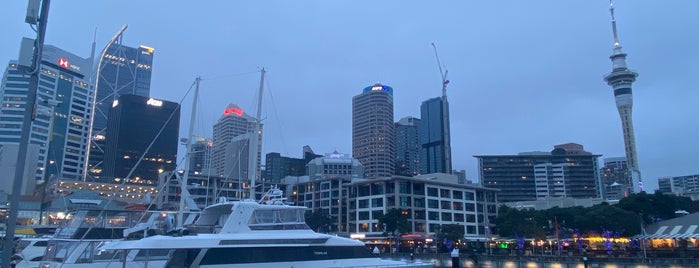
pixel 680 185
pixel 60 127
pixel 429 201
pixel 142 138
pixel 121 70
pixel 277 167
pixel 372 130
pixel 620 79
pixel 616 181
pixel 230 143
pixel 529 176
pixel 407 146
pixel 435 147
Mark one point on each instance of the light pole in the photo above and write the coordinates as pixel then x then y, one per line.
pixel 29 110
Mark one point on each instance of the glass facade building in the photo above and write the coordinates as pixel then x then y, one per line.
pixel 408 146
pixel 121 70
pixel 141 127
pixel 434 143
pixel 63 108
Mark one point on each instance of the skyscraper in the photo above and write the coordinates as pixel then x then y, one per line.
pixel 142 139
pixel 61 125
pixel 121 70
pixel 620 79
pixel 435 147
pixel 408 146
pixel 231 140
pixel 372 130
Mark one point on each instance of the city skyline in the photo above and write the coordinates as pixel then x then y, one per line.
pixel 520 81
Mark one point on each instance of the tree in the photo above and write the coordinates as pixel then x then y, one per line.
pixel 394 220
pixel 318 221
pixel 452 232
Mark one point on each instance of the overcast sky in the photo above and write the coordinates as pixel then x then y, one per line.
pixel 525 75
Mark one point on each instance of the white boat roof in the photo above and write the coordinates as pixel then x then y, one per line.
pixel 261 238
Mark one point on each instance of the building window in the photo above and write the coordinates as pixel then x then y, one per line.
pixel 363 215
pixel 432 191
pixel 470 207
pixel 404 187
pixel 433 215
pixel 458 217
pixel 404 201
pixel 431 203
pixel 446 216
pixel 446 205
pixel 419 202
pixel 458 195
pixel 377 202
pixel 445 193
pixel 469 196
pixel 364 203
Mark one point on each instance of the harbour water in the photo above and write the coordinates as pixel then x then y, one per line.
pixel 496 261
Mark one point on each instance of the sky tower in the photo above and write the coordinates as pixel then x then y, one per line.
pixel 620 79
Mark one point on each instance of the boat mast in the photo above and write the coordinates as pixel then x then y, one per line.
pixel 255 139
pixel 183 182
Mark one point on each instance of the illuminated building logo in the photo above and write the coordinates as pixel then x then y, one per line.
pixel 233 111
pixel 63 63
pixel 154 102
pixel 376 88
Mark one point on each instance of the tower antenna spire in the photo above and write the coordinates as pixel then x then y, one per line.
pixel 616 36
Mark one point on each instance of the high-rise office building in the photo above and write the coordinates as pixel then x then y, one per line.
pixel 121 70
pixel 435 147
pixel 63 109
pixel 231 139
pixel 200 157
pixel 520 176
pixel 372 131
pixel 142 138
pixel 408 146
pixel 620 79
pixel 616 182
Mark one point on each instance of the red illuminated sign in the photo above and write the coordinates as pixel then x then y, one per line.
pixel 233 110
pixel 63 63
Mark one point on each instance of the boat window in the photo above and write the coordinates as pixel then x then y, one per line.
pixel 104 255
pixel 182 258
pixel 152 254
pixel 86 255
pixel 58 250
pixel 263 216
pixel 239 255
pixel 41 243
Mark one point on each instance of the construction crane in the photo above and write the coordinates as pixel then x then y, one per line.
pixel 443 75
